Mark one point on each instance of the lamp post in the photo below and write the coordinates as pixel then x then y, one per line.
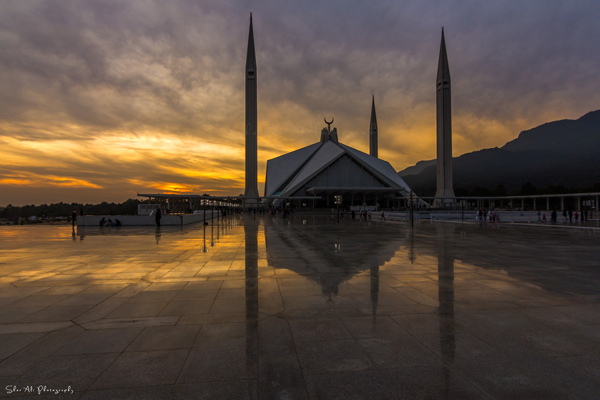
pixel 212 223
pixel 204 208
pixel 338 201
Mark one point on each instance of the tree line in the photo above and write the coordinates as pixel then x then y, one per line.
pixel 13 213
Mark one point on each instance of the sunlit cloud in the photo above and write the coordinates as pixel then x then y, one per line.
pixel 42 181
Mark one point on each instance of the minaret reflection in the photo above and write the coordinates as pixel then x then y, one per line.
pixel 251 251
pixel 445 233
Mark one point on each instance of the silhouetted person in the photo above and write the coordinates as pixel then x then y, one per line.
pixel 157 217
pixel 553 216
pixel 570 215
pixel 117 222
pixel 74 217
pixel 102 222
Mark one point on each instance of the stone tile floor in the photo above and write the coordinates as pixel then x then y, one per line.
pixel 299 308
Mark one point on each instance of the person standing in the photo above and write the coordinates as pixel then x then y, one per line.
pixel 157 217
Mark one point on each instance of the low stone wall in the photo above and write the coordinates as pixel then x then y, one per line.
pixel 143 220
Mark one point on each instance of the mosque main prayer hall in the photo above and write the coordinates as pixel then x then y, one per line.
pixel 328 171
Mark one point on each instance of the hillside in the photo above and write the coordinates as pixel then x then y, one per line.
pixel 565 152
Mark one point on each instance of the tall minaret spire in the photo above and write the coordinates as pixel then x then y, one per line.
pixel 373 139
pixel 444 129
pixel 251 119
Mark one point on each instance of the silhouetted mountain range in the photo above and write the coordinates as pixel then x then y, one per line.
pixel 561 153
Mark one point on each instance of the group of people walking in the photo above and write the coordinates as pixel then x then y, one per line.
pixel 568 215
pixel 492 216
pixel 109 223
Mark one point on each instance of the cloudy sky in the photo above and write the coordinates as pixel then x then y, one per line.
pixel 101 99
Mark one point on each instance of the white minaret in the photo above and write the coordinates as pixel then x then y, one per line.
pixel 251 119
pixel 444 130
pixel 373 139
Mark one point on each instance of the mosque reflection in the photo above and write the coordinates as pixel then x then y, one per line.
pixel 331 258
pixel 335 256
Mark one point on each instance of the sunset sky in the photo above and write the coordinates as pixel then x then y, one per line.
pixel 100 99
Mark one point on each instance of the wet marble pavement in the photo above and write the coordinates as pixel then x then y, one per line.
pixel 300 308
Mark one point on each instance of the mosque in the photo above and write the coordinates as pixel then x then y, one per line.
pixel 321 173
pixel 329 168
pixel 314 175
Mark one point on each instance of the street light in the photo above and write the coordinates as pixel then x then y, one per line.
pixel 338 201
pixel 411 199
pixel 211 203
pixel 204 207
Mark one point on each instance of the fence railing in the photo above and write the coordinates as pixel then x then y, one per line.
pixel 500 216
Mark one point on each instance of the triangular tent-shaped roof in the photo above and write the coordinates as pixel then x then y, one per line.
pixel 329 166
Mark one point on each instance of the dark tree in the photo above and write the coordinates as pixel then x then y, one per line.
pixel 528 189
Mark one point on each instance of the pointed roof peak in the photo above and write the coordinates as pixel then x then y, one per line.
pixel 443 68
pixel 373 114
pixel 250 55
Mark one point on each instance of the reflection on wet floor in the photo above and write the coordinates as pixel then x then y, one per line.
pixel 255 306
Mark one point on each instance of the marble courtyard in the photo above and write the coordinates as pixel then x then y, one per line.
pixel 300 308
